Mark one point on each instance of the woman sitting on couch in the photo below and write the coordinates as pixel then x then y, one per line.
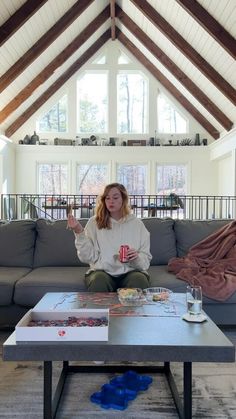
pixel 98 244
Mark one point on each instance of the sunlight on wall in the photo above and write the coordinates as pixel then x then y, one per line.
pixel 4 186
pixel 4 141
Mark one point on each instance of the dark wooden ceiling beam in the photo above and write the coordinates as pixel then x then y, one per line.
pixel 43 43
pixel 58 83
pixel 210 24
pixel 19 18
pixel 167 84
pixel 174 69
pixel 113 19
pixel 54 64
pixel 186 49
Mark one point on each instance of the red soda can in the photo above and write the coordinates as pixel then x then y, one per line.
pixel 123 253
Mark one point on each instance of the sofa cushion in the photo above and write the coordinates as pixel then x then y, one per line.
pixel 32 287
pixel 162 238
pixel 160 277
pixel 189 232
pixel 55 244
pixel 8 278
pixel 17 240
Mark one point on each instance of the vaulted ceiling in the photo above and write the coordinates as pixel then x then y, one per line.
pixel 189 46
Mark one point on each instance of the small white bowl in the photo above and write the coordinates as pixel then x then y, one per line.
pixel 157 294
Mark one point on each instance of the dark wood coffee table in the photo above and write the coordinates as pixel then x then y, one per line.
pixel 144 339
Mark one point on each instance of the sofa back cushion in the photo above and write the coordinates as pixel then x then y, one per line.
pixel 189 232
pixel 55 244
pixel 17 239
pixel 162 238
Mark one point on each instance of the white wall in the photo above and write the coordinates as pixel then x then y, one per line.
pixel 223 153
pixel 7 165
pixel 202 174
pixel 225 173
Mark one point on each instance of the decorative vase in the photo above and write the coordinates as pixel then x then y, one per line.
pixel 26 139
pixel 197 140
pixel 34 139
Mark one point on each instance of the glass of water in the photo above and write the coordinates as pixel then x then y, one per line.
pixel 194 299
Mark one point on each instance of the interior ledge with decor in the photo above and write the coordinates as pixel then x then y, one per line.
pixel 140 92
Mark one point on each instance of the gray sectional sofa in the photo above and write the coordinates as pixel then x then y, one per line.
pixel 39 256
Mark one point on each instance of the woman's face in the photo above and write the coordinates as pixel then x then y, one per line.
pixel 113 201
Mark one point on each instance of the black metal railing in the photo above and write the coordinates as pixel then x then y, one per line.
pixel 33 206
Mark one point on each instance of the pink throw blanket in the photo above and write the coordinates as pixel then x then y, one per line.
pixel 211 263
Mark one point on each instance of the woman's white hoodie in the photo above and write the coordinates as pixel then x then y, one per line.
pixel 100 248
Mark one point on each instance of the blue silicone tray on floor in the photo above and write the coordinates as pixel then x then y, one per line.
pixel 120 390
pixel 132 381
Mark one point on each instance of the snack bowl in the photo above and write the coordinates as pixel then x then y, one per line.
pixel 131 296
pixel 157 294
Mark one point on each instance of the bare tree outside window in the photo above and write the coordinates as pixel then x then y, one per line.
pixel 56 119
pixel 53 179
pixel 133 177
pixel 91 178
pixel 131 103
pixel 92 96
pixel 171 179
pixel 169 119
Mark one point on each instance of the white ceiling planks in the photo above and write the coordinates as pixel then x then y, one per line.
pixel 223 11
pixel 51 52
pixel 8 8
pixel 179 58
pixel 200 40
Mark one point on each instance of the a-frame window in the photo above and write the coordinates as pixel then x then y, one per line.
pixel 55 120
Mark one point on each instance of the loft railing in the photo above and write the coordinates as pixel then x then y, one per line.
pixel 193 207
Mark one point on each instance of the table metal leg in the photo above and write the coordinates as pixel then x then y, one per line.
pixel 50 403
pixel 187 390
pixel 184 408
pixel 47 390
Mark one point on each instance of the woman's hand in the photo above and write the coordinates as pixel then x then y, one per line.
pixel 132 254
pixel 74 225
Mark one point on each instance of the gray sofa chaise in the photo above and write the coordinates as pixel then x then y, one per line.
pixel 39 256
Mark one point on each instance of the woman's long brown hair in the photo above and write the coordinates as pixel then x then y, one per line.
pixel 102 215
